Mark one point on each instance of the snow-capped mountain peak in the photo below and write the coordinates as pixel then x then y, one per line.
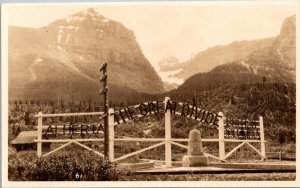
pixel 88 14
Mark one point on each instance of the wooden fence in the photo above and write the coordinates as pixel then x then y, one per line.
pixel 167 141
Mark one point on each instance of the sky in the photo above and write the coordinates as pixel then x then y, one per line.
pixel 176 29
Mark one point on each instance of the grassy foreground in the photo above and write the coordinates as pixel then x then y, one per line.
pixel 85 166
pixel 214 177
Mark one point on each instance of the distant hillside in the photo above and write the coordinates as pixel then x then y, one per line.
pixel 205 61
pixel 223 75
pixel 62 60
pixel 271 52
pixel 275 102
pixel 270 64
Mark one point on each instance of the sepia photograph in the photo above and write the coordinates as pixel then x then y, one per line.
pixel 176 93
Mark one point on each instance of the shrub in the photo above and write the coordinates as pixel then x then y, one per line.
pixel 66 166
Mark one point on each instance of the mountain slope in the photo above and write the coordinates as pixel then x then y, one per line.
pixel 274 101
pixel 228 74
pixel 61 60
pixel 241 50
pixel 275 63
pixel 278 60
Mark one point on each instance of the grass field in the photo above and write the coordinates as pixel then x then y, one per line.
pixel 214 177
pixel 59 165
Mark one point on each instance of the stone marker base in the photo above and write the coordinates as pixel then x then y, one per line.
pixel 194 160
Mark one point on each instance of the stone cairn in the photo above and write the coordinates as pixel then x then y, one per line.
pixel 195 156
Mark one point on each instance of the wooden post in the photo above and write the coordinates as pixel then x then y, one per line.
pixel 103 92
pixel 168 151
pixel 221 136
pixel 39 135
pixel 111 134
pixel 262 138
pixel 280 156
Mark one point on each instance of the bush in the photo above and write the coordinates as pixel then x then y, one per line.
pixel 67 166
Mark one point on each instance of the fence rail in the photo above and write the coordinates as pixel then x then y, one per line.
pixel 167 141
pixel 69 114
pixel 281 156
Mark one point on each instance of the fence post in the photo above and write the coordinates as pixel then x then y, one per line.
pixel 262 138
pixel 280 156
pixel 39 135
pixel 111 134
pixel 221 136
pixel 168 151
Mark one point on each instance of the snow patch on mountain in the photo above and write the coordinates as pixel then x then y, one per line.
pixel 60 48
pixel 245 65
pixel 68 37
pixel 65 32
pixel 71 27
pixel 105 20
pixel 75 19
pixel 81 16
pixel 31 70
pixel 170 77
pixel 38 60
pixel 60 32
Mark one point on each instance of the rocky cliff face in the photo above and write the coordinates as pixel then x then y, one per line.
pixel 279 49
pixel 62 59
pixel 278 60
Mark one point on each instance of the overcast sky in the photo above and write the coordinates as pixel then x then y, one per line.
pixel 169 29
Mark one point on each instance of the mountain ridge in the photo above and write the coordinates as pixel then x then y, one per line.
pixel 71 49
pixel 214 56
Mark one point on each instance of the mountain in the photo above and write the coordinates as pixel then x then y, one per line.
pixel 169 63
pixel 170 86
pixel 206 60
pixel 62 60
pixel 169 66
pixel 278 60
pixel 227 74
pixel 275 63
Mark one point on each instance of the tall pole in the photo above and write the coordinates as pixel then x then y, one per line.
pixel 103 92
pixel 111 134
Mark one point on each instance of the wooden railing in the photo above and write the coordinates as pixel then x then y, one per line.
pixel 167 141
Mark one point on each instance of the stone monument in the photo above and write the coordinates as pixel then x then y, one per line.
pixel 195 156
